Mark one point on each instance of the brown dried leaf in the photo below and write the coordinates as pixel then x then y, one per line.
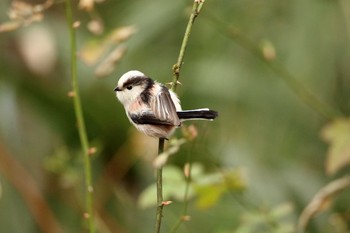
pixel 86 5
pixel 122 34
pixel 190 132
pixel 337 134
pixel 37 17
pixel 94 51
pixel 10 26
pixel 23 14
pixel 161 160
pixel 107 66
pixel 268 50
pixel 95 26
pixel 187 170
pixel 20 10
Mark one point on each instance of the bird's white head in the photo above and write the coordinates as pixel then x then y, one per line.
pixel 131 85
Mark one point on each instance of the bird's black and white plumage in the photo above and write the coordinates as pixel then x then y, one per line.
pixel 152 108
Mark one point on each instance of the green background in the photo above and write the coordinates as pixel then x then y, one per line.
pixel 265 130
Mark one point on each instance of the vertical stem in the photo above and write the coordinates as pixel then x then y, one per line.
pixel 80 120
pixel 197 6
pixel 160 205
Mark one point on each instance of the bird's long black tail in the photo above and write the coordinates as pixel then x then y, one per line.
pixel 199 114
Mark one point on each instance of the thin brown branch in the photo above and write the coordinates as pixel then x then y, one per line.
pixel 321 201
pixel 23 181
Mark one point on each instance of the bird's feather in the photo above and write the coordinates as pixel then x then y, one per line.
pixel 148 118
pixel 164 108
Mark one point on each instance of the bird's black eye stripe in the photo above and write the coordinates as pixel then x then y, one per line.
pixel 134 82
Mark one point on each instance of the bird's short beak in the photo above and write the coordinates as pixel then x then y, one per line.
pixel 117 89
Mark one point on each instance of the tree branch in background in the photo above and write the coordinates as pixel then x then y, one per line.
pixel 321 201
pixel 80 120
pixel 298 88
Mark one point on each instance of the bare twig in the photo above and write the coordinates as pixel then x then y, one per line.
pixel 160 204
pixel 197 5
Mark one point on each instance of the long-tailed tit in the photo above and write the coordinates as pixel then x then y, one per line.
pixel 152 108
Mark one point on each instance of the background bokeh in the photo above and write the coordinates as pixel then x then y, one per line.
pixel 267 137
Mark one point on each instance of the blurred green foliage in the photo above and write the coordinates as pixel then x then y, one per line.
pixel 264 129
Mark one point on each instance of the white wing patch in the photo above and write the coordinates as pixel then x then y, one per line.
pixel 164 108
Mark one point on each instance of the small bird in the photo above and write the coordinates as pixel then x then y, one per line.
pixel 152 108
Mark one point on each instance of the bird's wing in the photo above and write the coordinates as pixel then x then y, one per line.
pixel 164 108
pixel 148 118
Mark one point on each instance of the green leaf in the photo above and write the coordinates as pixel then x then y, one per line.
pixel 173 187
pixel 172 149
pixel 197 170
pixel 172 174
pixel 148 197
pixel 337 134
pixel 282 210
pixel 268 220
pixel 235 179
pixel 210 187
pixel 208 195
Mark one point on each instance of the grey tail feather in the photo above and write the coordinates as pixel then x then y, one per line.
pixel 204 114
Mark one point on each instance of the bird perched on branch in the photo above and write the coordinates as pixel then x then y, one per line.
pixel 152 108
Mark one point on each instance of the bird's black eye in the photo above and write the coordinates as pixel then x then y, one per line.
pixel 129 87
